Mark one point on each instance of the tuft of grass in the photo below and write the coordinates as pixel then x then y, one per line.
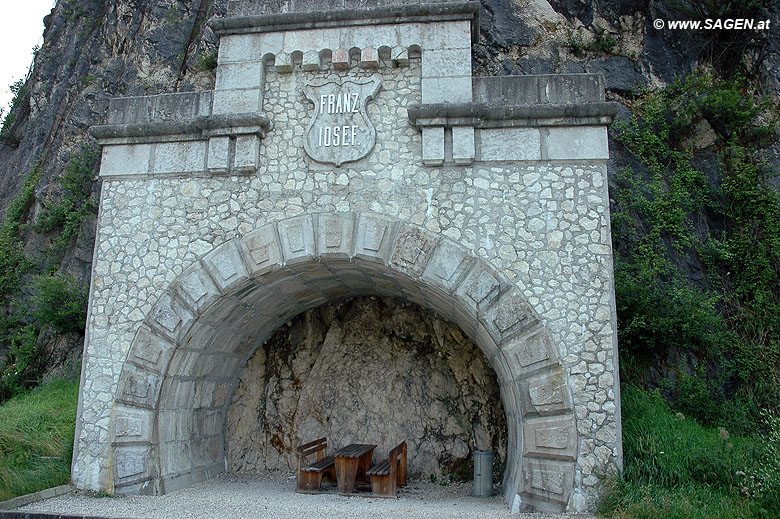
pixel 675 467
pixel 36 438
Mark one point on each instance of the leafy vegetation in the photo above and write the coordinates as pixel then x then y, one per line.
pixel 20 97
pixel 76 204
pixel 36 438
pixel 697 274
pixel 206 62
pixel 58 302
pixel 13 262
pixel 675 467
pixel 603 42
pixel 38 307
pixel 726 225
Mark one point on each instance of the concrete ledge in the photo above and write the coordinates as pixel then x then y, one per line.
pixel 195 125
pixel 245 20
pixel 26 499
pixel 478 114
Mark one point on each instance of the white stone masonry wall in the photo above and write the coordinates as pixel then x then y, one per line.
pixel 544 225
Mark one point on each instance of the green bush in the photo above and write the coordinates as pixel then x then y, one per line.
pixel 36 438
pixel 726 224
pixel 58 302
pixel 76 204
pixel 13 262
pixel 19 91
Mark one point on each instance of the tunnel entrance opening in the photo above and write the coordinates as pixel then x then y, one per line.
pixel 368 370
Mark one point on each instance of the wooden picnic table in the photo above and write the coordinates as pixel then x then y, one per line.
pixel 352 462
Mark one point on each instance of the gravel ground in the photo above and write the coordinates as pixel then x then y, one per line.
pixel 272 495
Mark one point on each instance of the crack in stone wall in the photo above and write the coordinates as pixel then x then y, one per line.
pixel 369 370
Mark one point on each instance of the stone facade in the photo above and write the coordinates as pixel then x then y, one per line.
pixel 216 227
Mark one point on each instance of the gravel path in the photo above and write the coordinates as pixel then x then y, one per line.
pixel 272 495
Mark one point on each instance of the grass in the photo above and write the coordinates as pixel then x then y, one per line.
pixel 36 438
pixel 674 467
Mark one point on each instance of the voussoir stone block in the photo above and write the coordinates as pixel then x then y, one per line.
pixel 334 235
pixel 448 264
pixel 261 250
pixel 170 317
pixel 132 464
pixel 545 393
pixel 297 238
pixel 151 350
pixel 530 351
pixel 374 237
pixel 479 289
pixel 549 480
pixel 510 315
pixel 551 437
pixel 413 249
pixel 196 288
pixel 133 424
pixel 138 387
pixel 226 266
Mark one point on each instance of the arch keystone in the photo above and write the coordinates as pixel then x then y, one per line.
pixel 334 235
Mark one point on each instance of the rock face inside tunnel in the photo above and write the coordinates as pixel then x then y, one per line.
pixel 369 370
pixel 338 157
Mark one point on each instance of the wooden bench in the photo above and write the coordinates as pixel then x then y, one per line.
pixel 390 474
pixel 310 476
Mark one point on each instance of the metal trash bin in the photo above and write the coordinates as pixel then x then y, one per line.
pixel 483 473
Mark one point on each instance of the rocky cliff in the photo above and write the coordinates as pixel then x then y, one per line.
pixel 94 50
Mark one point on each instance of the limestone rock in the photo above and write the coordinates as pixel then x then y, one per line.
pixel 368 371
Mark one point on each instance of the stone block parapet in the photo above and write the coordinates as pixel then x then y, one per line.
pixel 250 16
pixel 524 118
pixel 539 89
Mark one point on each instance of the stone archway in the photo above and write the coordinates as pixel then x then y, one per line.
pixel 175 387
